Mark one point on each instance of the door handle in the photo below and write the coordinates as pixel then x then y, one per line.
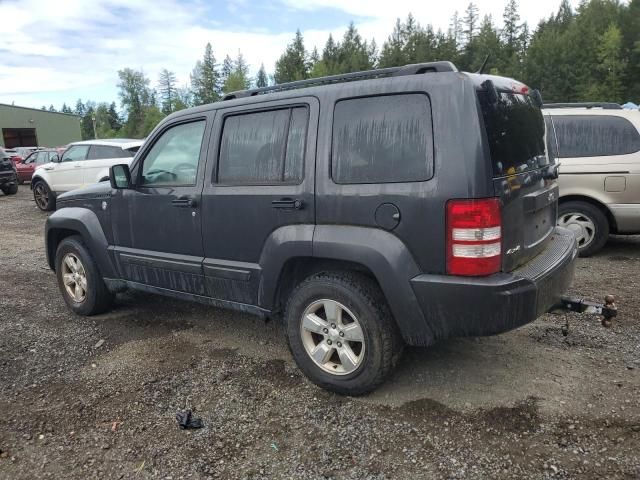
pixel 287 203
pixel 184 201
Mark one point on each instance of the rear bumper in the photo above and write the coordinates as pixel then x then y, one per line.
pixel 627 217
pixel 461 306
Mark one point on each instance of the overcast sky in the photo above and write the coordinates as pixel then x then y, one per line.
pixel 58 51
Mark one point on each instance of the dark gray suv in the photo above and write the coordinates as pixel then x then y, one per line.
pixel 368 211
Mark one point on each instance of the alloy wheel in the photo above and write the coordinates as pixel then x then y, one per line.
pixel 41 195
pixel 332 337
pixel 74 277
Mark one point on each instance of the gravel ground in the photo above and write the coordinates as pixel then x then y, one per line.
pixel 96 397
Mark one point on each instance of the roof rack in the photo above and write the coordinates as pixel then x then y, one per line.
pixel 413 69
pixel 603 105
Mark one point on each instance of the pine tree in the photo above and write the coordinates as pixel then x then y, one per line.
pixel 393 54
pixel 114 118
pixel 65 108
pixel 353 52
pixel 205 79
pixel 292 64
pixel 456 31
pixel 470 22
pixel 79 110
pixel 52 108
pixel 167 88
pixel 238 79
pixel 261 79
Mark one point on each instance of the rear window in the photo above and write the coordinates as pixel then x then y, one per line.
pixel 382 139
pixel 595 136
pixel 516 133
pixel 99 152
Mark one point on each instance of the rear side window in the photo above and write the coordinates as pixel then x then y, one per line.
pixel 595 136
pixel 382 139
pixel 263 148
pixel 99 152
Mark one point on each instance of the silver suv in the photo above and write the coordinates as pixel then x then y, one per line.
pixel 598 148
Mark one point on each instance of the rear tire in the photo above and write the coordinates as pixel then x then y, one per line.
pixel 352 343
pixel 43 196
pixel 11 190
pixel 79 279
pixel 588 223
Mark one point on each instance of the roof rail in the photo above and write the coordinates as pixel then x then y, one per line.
pixel 413 69
pixel 603 105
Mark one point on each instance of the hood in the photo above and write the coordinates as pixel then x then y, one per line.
pixel 97 190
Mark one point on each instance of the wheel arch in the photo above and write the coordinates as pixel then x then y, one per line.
pixel 613 226
pixel 84 223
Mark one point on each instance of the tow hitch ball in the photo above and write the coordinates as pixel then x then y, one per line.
pixel 579 305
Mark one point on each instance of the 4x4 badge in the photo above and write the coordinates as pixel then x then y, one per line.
pixel 513 250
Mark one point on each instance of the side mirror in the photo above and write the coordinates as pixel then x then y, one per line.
pixel 120 176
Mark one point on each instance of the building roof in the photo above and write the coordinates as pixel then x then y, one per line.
pixel 39 110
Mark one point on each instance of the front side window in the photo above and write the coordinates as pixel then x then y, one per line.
pixel 382 139
pixel 263 148
pixel 75 153
pixel 595 136
pixel 173 159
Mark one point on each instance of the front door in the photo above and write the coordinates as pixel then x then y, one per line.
pixel 157 223
pixel 67 174
pixel 259 186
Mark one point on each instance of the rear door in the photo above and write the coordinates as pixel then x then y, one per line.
pixel 521 166
pixel 261 179
pixel 100 157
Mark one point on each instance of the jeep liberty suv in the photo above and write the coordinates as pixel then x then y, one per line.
pixel 369 210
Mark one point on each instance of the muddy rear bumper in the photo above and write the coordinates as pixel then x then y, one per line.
pixel 464 306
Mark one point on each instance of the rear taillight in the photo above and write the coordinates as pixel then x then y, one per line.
pixel 474 237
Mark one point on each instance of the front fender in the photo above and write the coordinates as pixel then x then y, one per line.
pixel 79 221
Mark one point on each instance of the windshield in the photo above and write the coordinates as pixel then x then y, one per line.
pixel 516 133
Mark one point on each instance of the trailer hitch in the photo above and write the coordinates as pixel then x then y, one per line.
pixel 580 305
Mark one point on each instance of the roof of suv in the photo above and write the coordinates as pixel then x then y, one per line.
pixel 123 143
pixel 312 87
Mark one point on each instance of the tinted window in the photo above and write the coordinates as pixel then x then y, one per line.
pixel 382 139
pixel 75 153
pixel 173 159
pixel 595 136
pixel 99 152
pixel 263 147
pixel 516 133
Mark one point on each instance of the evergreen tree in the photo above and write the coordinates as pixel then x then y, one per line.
pixel 66 109
pixel 353 52
pixel 52 108
pixel 611 65
pixel 227 68
pixel 261 79
pixel 79 110
pixel 393 53
pixel 470 22
pixel 114 119
pixel 238 79
pixel 167 88
pixel 292 64
pixel 205 79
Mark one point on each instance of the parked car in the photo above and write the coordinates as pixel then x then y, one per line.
pixel 26 167
pixel 24 152
pixel 10 153
pixel 82 163
pixel 370 210
pixel 598 147
pixel 8 175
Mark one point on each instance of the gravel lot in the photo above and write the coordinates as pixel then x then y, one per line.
pixel 96 397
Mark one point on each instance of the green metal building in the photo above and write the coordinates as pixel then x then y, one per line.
pixel 30 127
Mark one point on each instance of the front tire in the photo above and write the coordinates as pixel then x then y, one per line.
pixel 43 196
pixel 588 223
pixel 341 332
pixel 79 280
